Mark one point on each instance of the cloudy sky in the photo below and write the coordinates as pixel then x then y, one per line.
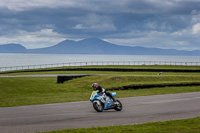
pixel 167 24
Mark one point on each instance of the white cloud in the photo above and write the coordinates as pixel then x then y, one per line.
pixel 38 39
pixel 181 32
pixel 190 32
pixel 156 39
pixel 196 28
pixel 20 5
pixel 79 27
pixel 195 12
pixel 96 27
pixel 178 43
pixel 102 27
pixel 93 22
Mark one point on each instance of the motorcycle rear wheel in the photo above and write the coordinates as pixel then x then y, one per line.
pixel 118 107
pixel 98 106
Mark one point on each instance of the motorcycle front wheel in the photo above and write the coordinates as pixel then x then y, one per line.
pixel 98 106
pixel 118 107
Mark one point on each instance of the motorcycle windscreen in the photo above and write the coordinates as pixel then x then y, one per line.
pixel 93 95
pixel 114 94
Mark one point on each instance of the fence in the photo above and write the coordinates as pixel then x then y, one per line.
pixel 98 63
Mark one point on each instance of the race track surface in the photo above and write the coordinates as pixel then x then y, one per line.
pixel 82 115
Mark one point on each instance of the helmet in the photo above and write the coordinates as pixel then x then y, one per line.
pixel 95 86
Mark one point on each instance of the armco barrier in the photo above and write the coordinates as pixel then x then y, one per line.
pixel 63 78
pixel 146 86
pixel 98 63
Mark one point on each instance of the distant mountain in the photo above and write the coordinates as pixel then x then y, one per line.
pixel 12 48
pixel 64 47
pixel 98 46
pixel 86 46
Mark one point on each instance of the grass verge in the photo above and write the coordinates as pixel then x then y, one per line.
pixel 20 91
pixel 175 126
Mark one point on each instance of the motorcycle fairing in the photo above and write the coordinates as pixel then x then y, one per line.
pixel 103 98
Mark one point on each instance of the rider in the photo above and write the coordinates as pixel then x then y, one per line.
pixel 96 87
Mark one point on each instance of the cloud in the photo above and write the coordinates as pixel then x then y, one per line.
pixel 95 23
pixel 79 27
pixel 21 5
pixel 38 39
pixel 152 23
pixel 196 28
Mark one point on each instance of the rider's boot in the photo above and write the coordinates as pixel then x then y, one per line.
pixel 115 102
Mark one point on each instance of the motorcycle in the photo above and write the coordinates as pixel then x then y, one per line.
pixel 102 102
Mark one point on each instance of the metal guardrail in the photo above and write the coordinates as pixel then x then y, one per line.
pixel 98 63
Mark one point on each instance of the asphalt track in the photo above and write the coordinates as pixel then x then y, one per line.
pixel 82 115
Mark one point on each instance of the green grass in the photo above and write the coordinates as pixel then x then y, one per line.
pixel 175 126
pixel 31 91
pixel 20 91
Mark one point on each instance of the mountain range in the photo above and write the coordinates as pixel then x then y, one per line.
pixel 94 46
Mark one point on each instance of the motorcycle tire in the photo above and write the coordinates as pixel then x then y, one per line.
pixel 98 106
pixel 118 107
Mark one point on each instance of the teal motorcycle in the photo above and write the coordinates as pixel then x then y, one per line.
pixel 102 102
